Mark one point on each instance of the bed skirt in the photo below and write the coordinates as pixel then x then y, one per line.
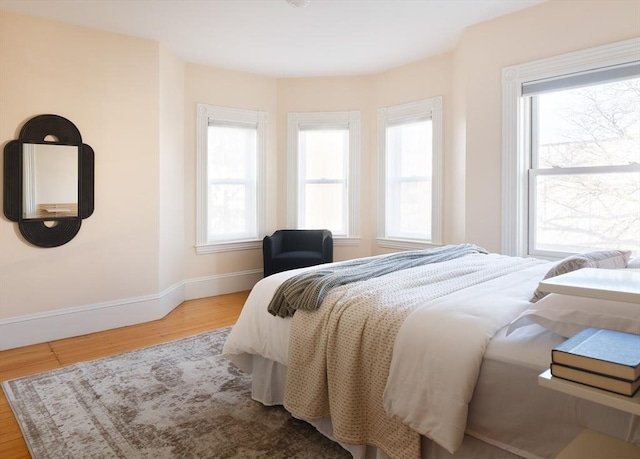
pixel 510 417
pixel 268 382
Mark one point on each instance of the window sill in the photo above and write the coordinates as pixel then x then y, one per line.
pixel 346 241
pixel 404 244
pixel 229 246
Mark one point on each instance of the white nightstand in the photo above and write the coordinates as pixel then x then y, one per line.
pixel 603 397
pixel 593 445
pixel 607 284
pixel 589 444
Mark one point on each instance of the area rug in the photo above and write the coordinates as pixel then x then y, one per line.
pixel 175 400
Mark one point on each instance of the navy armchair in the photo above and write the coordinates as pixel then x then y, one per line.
pixel 290 249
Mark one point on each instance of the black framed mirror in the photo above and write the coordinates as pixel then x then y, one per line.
pixel 48 180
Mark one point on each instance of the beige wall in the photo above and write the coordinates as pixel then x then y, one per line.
pixel 107 85
pixel 337 94
pixel 135 104
pixel 550 29
pixel 421 80
pixel 225 88
pixel 172 181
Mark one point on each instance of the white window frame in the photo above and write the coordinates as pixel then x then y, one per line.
pixel 515 129
pixel 326 120
pixel 427 108
pixel 205 113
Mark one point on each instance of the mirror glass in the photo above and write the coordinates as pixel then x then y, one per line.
pixel 50 181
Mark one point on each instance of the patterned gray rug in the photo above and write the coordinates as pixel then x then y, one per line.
pixel 174 400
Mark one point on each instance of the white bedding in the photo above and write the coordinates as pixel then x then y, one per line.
pixel 257 331
pixel 450 379
pixel 508 409
pixel 439 350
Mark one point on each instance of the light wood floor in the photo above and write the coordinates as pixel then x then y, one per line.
pixel 190 318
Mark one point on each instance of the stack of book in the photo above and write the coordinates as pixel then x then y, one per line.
pixel 605 359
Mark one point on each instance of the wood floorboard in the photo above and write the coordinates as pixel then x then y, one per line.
pixel 190 318
pixel 9 429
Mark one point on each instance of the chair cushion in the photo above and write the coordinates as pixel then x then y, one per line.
pixel 299 255
pixel 301 240
pixel 297 259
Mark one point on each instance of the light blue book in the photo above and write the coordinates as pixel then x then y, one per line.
pixel 607 352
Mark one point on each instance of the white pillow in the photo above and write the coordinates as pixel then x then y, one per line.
pixel 566 315
pixel 634 263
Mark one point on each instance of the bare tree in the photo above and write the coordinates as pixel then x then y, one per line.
pixel 599 127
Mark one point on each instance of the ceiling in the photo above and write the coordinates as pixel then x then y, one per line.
pixel 271 37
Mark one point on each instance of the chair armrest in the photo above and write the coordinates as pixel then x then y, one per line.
pixel 272 245
pixel 327 246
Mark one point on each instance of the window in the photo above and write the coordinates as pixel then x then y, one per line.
pixel 410 151
pixel 323 156
pixel 323 173
pixel 584 178
pixel 231 150
pixel 573 165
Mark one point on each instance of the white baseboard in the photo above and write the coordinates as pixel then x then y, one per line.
pixel 66 323
pixel 221 284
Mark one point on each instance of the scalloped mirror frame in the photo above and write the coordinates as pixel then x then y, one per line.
pixel 48 231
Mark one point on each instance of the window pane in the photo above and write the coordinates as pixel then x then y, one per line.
pixel 232 156
pixel 231 198
pixel 591 126
pixel 324 205
pixel 232 151
pixel 410 212
pixel 409 169
pixel 228 212
pixel 410 143
pixel 415 209
pixel 575 213
pixel 324 153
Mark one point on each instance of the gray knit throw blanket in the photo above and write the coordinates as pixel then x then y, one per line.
pixel 308 289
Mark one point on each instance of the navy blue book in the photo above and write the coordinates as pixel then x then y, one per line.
pixel 619 386
pixel 607 352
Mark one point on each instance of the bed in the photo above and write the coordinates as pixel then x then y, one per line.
pixel 423 361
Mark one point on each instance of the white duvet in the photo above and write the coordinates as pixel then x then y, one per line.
pixel 437 353
pixel 258 332
pixel 439 350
